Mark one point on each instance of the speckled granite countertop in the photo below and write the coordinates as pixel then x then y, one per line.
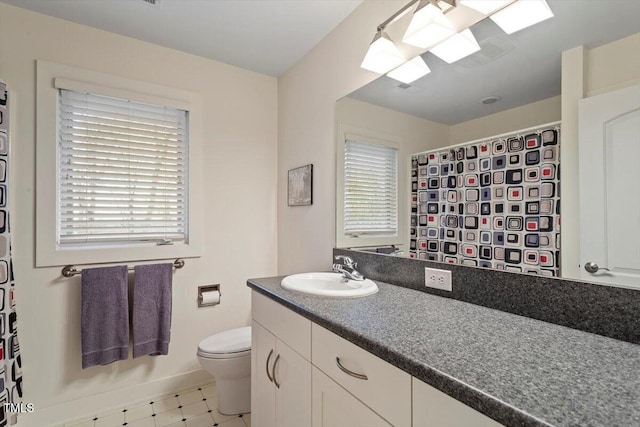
pixel 516 370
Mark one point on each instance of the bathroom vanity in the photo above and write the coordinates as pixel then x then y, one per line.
pixel 405 358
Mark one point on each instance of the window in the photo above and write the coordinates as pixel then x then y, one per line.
pixel 369 192
pixel 118 168
pixel 122 174
pixel 370 189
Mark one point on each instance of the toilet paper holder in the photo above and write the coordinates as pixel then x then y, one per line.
pixel 203 290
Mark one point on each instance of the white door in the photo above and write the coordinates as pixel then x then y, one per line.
pixel 609 136
pixel 292 377
pixel 333 406
pixel 263 392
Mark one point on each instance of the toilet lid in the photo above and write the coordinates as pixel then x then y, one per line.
pixel 231 341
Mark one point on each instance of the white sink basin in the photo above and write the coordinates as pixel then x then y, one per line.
pixel 328 285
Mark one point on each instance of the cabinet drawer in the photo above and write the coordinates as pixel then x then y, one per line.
pixel 386 388
pixel 291 328
pixel 333 406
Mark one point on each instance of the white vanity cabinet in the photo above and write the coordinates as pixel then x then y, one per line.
pixel 304 375
pixel 280 366
pixel 433 408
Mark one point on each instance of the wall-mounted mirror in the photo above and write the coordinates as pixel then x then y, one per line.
pixel 531 98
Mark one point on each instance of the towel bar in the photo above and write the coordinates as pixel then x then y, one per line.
pixel 70 270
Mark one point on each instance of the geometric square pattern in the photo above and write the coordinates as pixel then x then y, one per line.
pixel 492 204
pixel 10 358
pixel 188 408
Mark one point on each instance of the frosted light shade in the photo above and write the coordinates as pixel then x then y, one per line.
pixel 485 6
pixel 456 47
pixel 522 14
pixel 410 71
pixel 428 27
pixel 382 55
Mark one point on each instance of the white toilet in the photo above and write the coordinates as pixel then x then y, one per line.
pixel 227 356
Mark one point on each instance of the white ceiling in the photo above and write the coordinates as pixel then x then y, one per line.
pixel 452 93
pixel 267 36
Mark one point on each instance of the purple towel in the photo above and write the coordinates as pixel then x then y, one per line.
pixel 105 315
pixel 152 309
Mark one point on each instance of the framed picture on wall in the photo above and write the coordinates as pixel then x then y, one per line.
pixel 300 187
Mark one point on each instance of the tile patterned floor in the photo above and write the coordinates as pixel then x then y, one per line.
pixel 197 407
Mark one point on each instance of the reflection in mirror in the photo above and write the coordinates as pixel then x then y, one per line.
pixel 493 203
pixel 534 81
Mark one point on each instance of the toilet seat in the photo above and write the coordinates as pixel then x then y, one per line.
pixel 227 345
pixel 224 355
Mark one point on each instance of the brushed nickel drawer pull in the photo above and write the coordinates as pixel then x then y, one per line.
pixel 267 365
pixel 348 372
pixel 273 371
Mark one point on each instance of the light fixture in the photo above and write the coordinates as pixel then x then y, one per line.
pixel 428 26
pixel 382 55
pixel 522 14
pixel 456 47
pixel 449 39
pixel 485 7
pixel 410 71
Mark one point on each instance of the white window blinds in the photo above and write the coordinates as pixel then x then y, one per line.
pixel 370 189
pixel 122 170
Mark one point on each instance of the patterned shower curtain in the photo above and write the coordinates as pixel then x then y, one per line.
pixel 492 203
pixel 10 363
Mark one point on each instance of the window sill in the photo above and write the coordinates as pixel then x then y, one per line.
pixel 368 241
pixel 58 257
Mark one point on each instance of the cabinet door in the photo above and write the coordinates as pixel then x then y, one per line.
pixel 433 408
pixel 263 395
pixel 292 374
pixel 333 406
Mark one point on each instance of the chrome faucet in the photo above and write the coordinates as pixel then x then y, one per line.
pixel 347 268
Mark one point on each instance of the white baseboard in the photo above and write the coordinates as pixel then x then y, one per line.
pixel 112 400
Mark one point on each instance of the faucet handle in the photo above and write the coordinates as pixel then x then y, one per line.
pixel 346 260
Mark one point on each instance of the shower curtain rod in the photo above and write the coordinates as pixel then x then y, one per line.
pixel 70 270
pixel 556 126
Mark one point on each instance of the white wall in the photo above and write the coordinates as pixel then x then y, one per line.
pixel 525 116
pixel 306 124
pixel 422 135
pixel 585 73
pixel 613 66
pixel 240 161
pixel 417 134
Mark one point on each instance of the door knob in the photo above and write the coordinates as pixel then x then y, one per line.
pixel 592 267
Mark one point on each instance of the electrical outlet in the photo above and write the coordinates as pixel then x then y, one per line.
pixel 438 279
